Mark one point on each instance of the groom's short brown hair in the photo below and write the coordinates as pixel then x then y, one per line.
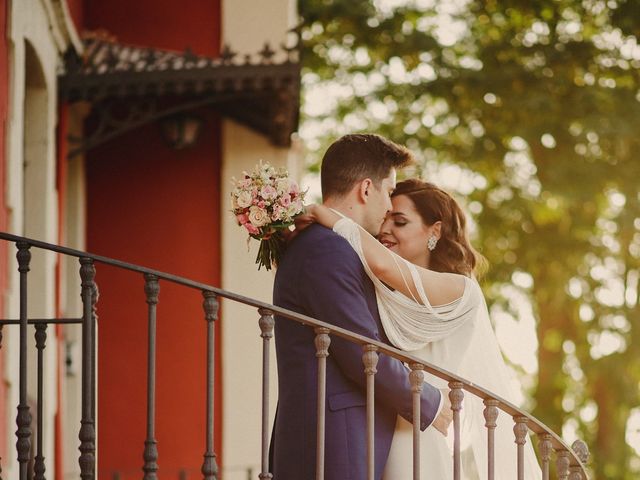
pixel 354 157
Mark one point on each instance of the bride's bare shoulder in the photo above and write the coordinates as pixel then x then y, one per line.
pixel 443 287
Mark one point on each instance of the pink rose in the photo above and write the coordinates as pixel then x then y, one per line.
pixel 285 201
pixel 268 192
pixel 242 218
pixel 258 216
pixel 251 229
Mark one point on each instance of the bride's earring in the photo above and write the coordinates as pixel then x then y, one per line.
pixel 432 242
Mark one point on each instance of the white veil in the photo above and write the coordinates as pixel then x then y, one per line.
pixel 458 338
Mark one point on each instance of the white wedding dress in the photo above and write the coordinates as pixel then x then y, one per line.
pixel 457 337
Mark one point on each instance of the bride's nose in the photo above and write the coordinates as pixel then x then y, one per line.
pixel 384 228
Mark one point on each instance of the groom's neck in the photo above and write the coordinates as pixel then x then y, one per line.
pixel 347 207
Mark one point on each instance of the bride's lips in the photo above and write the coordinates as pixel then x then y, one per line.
pixel 387 243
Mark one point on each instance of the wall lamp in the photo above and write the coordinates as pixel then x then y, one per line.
pixel 181 131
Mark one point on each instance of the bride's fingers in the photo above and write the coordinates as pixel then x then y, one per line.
pixel 304 218
pixel 445 416
pixel 303 221
pixel 300 223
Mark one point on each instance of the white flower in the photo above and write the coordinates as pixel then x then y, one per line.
pixel 264 172
pixel 293 210
pixel 278 211
pixel 258 217
pixel 244 199
pixel 282 186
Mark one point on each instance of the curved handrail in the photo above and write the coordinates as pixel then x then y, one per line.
pixel 535 425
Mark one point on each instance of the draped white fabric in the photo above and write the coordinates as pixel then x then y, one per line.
pixel 459 338
pixel 408 324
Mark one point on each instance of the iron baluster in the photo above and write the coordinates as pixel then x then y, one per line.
pixel 416 377
pixel 456 395
pixel 370 360
pixel 41 339
pixel 94 328
pixel 581 449
pixel 490 418
pixel 23 420
pixel 210 306
pixel 266 324
pixel 520 430
pixel 545 447
pixel 322 342
pixel 576 473
pixel 1 349
pixel 87 434
pixel 562 464
pixel 150 455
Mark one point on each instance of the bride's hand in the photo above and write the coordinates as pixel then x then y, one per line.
pixel 306 218
pixel 302 221
pixel 445 417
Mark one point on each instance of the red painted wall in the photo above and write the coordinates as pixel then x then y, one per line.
pixel 150 205
pixel 4 103
pixel 76 9
pixel 155 207
pixel 159 23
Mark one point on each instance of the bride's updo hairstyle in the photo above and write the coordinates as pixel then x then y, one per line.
pixel 453 252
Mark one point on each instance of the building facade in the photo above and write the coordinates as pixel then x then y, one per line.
pixel 94 99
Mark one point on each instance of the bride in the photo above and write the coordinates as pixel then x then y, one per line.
pixel 431 305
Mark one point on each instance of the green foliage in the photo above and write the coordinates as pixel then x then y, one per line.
pixel 537 102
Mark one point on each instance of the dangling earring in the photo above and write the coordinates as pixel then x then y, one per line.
pixel 432 242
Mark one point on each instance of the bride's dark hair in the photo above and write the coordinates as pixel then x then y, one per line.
pixel 453 253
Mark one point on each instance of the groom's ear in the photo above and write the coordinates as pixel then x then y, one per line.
pixel 364 189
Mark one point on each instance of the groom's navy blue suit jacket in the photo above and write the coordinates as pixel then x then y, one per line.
pixel 321 276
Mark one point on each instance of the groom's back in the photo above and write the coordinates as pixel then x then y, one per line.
pixel 300 282
pixel 322 277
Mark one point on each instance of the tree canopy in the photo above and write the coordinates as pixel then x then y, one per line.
pixel 530 110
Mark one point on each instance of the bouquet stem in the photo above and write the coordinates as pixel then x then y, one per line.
pixel 270 250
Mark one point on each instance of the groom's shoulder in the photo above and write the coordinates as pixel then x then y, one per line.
pixel 317 241
pixel 316 252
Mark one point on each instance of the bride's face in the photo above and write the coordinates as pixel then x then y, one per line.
pixel 404 232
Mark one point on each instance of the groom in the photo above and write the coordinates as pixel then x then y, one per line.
pixel 321 276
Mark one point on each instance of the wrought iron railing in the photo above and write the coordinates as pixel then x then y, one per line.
pixel 239 471
pixel 570 462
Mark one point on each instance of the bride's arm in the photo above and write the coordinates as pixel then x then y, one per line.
pixel 389 267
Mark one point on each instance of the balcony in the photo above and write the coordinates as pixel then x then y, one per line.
pixel 569 461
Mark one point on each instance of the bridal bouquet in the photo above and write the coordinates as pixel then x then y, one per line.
pixel 265 202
